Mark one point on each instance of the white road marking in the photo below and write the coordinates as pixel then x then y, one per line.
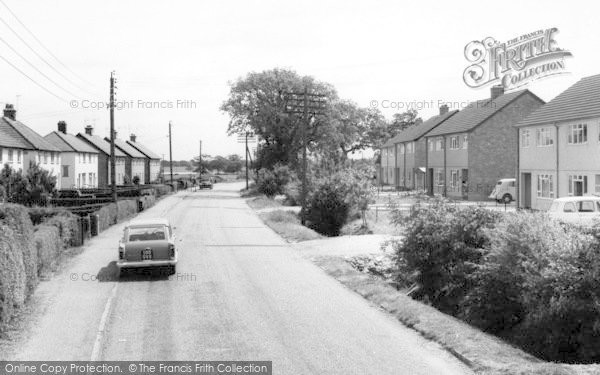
pixel 102 325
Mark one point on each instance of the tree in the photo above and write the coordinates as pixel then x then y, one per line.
pixel 234 164
pixel 30 189
pixel 402 121
pixel 257 103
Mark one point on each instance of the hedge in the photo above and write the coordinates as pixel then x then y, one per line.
pixel 49 244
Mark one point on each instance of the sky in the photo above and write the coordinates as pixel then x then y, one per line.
pixel 174 60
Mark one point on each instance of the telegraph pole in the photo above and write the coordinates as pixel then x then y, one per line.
pixel 309 106
pixel 170 154
pixel 113 174
pixel 200 161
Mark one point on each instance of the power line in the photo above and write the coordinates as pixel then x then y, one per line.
pixel 31 79
pixel 39 71
pixel 40 56
pixel 42 44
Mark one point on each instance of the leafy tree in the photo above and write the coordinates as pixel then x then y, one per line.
pixel 402 121
pixel 257 103
pixel 30 189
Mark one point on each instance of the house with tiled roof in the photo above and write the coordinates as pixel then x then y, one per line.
pixel 20 146
pixel 559 147
pixel 152 162
pixel 472 150
pixel 135 161
pixel 79 160
pixel 409 152
pixel 103 148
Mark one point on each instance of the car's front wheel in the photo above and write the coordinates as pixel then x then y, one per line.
pixel 507 198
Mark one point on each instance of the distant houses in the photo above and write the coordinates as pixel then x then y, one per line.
pixel 103 148
pixel 460 154
pixel 20 146
pixel 79 160
pixel 135 161
pixel 559 147
pixel 151 163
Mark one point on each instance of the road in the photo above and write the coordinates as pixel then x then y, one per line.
pixel 240 293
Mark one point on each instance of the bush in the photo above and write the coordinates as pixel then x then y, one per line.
pixel 538 287
pixel 272 181
pixel 292 191
pixel 33 188
pixel 68 227
pixel 442 247
pixel 48 244
pixel 327 210
pixel 127 208
pixel 39 214
pixel 107 216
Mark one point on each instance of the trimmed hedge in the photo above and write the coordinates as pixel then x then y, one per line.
pixel 49 244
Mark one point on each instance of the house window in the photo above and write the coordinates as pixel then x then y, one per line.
pixel 45 158
pixel 544 137
pixel 52 158
pixel 90 158
pixel 525 138
pixel 401 148
pixel 545 186
pixel 597 189
pixel 439 144
pixel 65 171
pixel 439 177
pixel 10 156
pixel 409 148
pixel 18 156
pixel 578 185
pixel 430 145
pixel 454 143
pixel 577 134
pixel 454 173
pixel 465 144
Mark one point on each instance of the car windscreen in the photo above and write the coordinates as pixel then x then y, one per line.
pixel 155 233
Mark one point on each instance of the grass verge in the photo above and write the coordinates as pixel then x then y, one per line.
pixel 484 353
pixel 287 225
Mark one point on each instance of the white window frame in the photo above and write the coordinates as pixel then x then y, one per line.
pixel 454 178
pixel 465 144
pixel 547 179
pixel 401 149
pixel 577 134
pixel 544 137
pixel 454 142
pixel 525 138
pixel 439 144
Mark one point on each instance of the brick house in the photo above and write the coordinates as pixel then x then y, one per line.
pixel 409 151
pixel 20 146
pixel 152 162
pixel 103 148
pixel 559 147
pixel 79 160
pixel 472 150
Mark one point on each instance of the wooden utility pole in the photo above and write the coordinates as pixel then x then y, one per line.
pixel 200 161
pixel 247 151
pixel 309 106
pixel 170 154
pixel 113 174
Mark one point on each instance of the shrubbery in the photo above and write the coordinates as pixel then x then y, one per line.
pixel 32 188
pixel 271 182
pixel 522 276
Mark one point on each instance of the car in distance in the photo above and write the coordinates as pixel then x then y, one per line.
pixel 148 244
pixel 504 191
pixel 205 184
pixel 582 210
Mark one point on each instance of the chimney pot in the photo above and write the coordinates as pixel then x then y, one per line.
pixel 89 130
pixel 132 138
pixel 62 127
pixel 10 112
pixel 443 109
pixel 496 91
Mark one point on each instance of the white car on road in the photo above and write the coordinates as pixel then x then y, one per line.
pixel 576 210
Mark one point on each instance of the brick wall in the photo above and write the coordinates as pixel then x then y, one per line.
pixel 493 147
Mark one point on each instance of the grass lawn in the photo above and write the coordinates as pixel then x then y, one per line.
pixel 287 225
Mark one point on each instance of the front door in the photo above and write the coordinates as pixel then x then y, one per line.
pixel 526 189
pixel 578 188
pixel 465 183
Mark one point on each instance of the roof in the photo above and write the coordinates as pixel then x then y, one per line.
pixel 127 149
pixel 69 143
pixel 476 113
pixel 413 133
pixel 100 144
pixel 144 150
pixel 148 222
pixel 582 100
pixel 16 134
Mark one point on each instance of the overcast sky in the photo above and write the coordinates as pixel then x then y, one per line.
pixel 188 51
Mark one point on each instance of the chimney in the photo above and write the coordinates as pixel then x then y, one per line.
pixel 89 130
pixel 10 112
pixel 497 90
pixel 132 138
pixel 62 127
pixel 443 109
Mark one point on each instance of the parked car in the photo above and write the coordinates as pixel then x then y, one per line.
pixel 148 243
pixel 504 191
pixel 576 210
pixel 205 184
